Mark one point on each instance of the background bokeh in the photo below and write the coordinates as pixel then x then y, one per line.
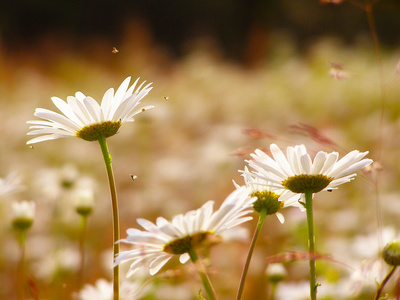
pixel 294 72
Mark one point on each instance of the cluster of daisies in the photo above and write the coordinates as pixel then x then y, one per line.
pixel 271 181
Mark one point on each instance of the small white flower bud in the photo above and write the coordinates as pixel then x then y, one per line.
pixel 84 201
pixel 23 214
pixel 276 272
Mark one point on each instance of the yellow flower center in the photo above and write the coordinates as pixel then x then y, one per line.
pixel 302 183
pixel 186 243
pixel 94 131
pixel 267 200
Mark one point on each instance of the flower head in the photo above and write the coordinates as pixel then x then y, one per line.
pixel 84 201
pixel 23 214
pixel 271 199
pixel 161 241
pixel 103 290
pixel 10 184
pixel 83 117
pixel 297 173
pixel 391 253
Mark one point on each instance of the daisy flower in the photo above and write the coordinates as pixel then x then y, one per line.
pixel 103 290
pixel 159 242
pixel 23 214
pixel 297 173
pixel 268 197
pixel 83 117
pixel 10 184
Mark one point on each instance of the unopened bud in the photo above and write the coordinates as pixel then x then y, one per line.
pixel 391 253
pixel 23 214
pixel 276 272
pixel 84 202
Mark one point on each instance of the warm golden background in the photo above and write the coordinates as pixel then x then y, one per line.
pixel 292 71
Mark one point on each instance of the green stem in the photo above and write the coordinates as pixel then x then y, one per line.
pixel 114 204
pixel 385 280
pixel 273 290
pixel 311 245
pixel 82 250
pixel 203 275
pixel 260 224
pixel 21 266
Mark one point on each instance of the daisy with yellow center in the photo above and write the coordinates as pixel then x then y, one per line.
pixel 270 200
pixel 297 173
pixel 159 242
pixel 85 118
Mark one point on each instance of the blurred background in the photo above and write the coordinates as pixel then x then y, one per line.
pixel 229 76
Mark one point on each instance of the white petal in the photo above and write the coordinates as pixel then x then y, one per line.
pixel 184 258
pixel 158 263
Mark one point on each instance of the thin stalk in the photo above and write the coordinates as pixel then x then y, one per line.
pixel 260 224
pixel 273 290
pixel 203 275
pixel 82 239
pixel 385 280
pixel 115 214
pixel 311 245
pixel 372 27
pixel 21 266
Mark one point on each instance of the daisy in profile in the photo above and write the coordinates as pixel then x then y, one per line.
pixel 269 198
pixel 298 173
pixel 182 236
pixel 85 118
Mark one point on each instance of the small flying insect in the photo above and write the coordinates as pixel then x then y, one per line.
pixel 133 177
pixel 114 50
pixel 166 98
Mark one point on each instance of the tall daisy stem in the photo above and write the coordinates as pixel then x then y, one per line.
pixel 82 240
pixel 311 245
pixel 203 275
pixel 21 266
pixel 115 215
pixel 260 224
pixel 385 280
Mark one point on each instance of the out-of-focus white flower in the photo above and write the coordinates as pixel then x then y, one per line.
pixel 297 173
pixel 23 214
pixel 83 117
pixel 103 290
pixel 155 246
pixel 10 184
pixel 84 201
pixel 276 272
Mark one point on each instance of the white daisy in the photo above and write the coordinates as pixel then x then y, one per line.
pixel 10 184
pixel 155 246
pixel 269 198
pixel 23 214
pixel 103 290
pixel 83 117
pixel 298 173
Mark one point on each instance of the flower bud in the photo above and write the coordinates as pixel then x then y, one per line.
pixel 276 272
pixel 84 202
pixel 23 214
pixel 391 253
